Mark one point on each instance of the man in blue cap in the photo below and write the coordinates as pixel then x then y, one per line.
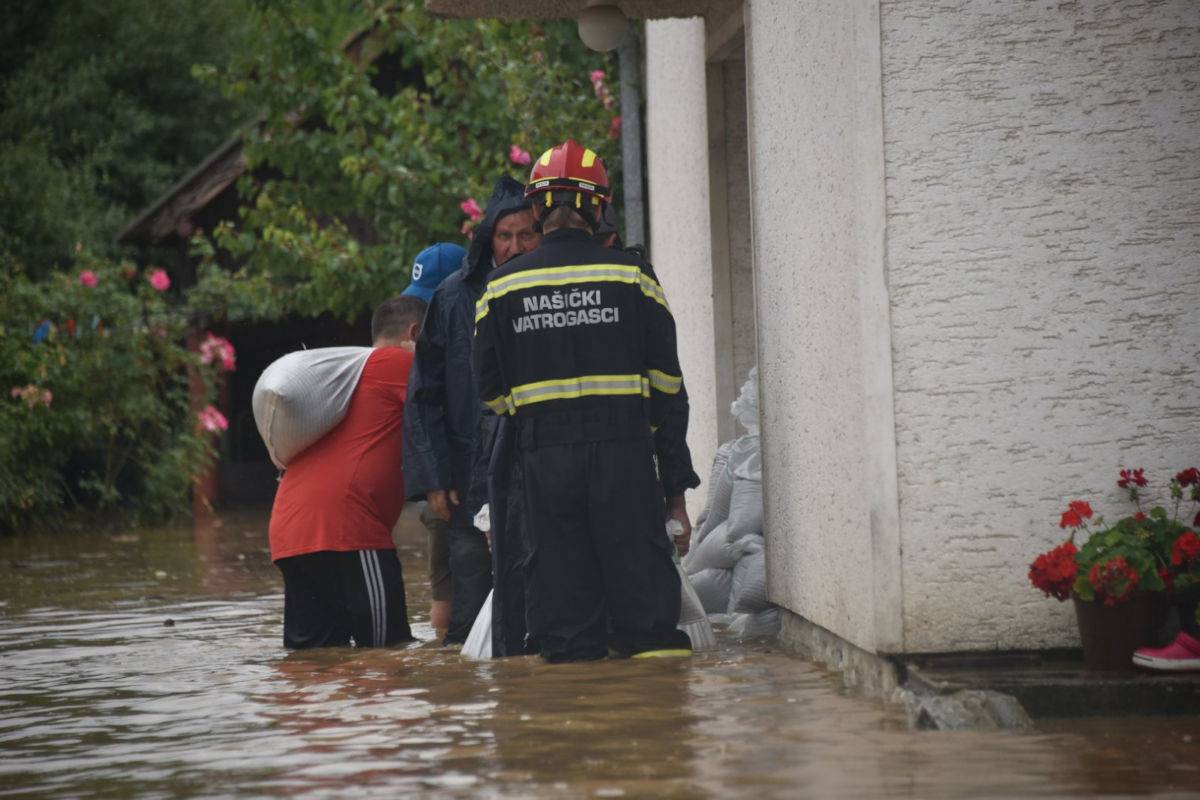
pixel 443 414
pixel 432 266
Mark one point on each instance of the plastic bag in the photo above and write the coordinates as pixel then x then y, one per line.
pixel 745 407
pixel 763 623
pixel 693 619
pixel 303 396
pixel 713 587
pixel 479 641
pixel 748 593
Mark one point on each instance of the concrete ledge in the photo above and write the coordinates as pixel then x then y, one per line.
pixel 862 671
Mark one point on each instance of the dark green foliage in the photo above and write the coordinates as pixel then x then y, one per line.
pixel 99 114
pixel 368 159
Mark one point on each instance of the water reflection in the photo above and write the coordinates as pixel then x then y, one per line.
pixel 101 697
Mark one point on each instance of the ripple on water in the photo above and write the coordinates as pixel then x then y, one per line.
pixel 101 698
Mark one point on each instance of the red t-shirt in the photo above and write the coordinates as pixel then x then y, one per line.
pixel 345 491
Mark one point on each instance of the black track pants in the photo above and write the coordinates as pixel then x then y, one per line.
pixel 332 597
pixel 601 557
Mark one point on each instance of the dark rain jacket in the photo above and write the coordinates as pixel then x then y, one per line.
pixel 443 412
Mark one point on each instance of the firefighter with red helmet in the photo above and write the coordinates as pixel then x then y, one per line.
pixel 575 341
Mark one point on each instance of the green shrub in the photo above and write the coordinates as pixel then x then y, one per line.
pixel 96 414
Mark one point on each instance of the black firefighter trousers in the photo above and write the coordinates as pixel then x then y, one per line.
pixel 600 575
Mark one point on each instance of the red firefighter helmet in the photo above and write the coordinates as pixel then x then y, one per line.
pixel 566 173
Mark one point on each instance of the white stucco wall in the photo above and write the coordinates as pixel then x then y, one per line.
pixel 1043 256
pixel 680 244
pixel 816 177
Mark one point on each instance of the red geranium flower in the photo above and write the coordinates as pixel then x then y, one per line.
pixel 1115 579
pixel 1167 578
pixel 1137 477
pixel 1185 549
pixel 1070 519
pixel 1139 516
pixel 1054 572
pixel 1081 508
pixel 1189 477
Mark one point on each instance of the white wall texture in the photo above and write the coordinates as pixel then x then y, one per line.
pixel 1043 257
pixel 680 245
pixel 816 177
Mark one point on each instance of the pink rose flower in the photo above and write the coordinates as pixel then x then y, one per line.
pixel 88 278
pixel 519 156
pixel 218 347
pixel 597 76
pixel 212 420
pixel 471 208
pixel 159 280
pixel 614 130
pixel 47 397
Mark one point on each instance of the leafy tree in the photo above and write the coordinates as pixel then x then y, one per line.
pixel 364 153
pixel 99 114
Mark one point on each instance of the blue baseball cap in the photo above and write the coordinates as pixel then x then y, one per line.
pixel 433 265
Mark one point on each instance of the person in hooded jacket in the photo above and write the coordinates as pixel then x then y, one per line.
pixel 443 410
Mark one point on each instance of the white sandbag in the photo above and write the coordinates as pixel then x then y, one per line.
pixel 713 587
pixel 718 551
pixel 302 396
pixel 479 641
pixel 716 503
pixel 748 593
pixel 746 509
pixel 720 620
pixel 745 407
pixel 745 454
pixel 720 490
pixel 763 623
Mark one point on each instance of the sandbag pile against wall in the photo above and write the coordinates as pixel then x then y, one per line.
pixel 727 562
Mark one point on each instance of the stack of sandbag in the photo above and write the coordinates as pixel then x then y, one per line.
pixel 727 562
pixel 302 396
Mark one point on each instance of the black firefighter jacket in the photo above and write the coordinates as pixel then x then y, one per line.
pixel 443 412
pixel 575 325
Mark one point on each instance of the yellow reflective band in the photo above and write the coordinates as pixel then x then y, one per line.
pixel 589 158
pixel 572 388
pixel 549 198
pixel 561 276
pixel 667 384
pixel 578 199
pixel 545 159
pixel 500 405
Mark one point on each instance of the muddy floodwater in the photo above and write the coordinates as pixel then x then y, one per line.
pixel 150 664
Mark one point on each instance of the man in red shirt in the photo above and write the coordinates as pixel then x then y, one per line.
pixel 331 526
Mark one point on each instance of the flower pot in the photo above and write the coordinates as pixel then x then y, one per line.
pixel 1186 601
pixel 1110 634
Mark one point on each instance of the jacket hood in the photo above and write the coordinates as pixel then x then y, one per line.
pixel 507 196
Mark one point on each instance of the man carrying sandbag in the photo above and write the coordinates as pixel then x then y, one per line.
pixel 576 342
pixel 443 411
pixel 331 525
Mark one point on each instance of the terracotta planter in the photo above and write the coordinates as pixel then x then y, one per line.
pixel 1110 634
